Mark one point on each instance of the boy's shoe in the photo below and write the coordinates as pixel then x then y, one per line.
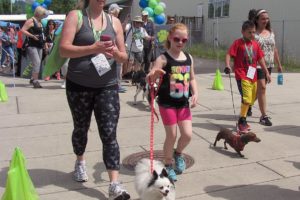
pixel 171 173
pixel 80 174
pixel 47 78
pixel 179 163
pixel 265 120
pixel 57 75
pixel 249 112
pixel 117 192
pixel 242 125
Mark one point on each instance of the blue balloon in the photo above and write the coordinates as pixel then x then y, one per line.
pixel 143 3
pixel 44 6
pixel 47 2
pixel 34 5
pixel 159 19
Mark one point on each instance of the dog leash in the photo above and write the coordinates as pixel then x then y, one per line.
pixel 153 93
pixel 231 91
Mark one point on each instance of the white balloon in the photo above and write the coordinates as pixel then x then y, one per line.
pixel 162 4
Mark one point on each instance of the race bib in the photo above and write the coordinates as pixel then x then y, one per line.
pixel 251 72
pixel 139 44
pixel 101 64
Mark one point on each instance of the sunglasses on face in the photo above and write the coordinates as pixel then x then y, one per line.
pixel 177 40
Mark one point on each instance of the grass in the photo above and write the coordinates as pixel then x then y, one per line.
pixel 208 52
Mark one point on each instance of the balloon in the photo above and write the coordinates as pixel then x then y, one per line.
pixel 30 1
pixel 143 3
pixel 151 19
pixel 150 11
pixel 159 19
pixel 158 10
pixel 162 4
pixel 44 22
pixel 40 1
pixel 47 2
pixel 34 5
pixel 152 3
pixel 44 6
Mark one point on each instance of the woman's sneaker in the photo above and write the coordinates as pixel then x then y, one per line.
pixel 80 174
pixel 36 84
pixel 265 120
pixel 179 163
pixel 117 192
pixel 171 173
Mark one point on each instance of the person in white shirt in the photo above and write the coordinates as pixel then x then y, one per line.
pixel 135 34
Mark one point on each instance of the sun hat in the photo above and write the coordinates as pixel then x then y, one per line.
pixel 114 6
pixel 137 19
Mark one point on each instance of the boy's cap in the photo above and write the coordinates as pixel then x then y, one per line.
pixel 114 6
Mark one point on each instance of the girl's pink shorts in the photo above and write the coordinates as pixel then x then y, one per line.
pixel 171 116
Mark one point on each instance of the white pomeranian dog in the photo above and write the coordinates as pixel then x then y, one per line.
pixel 155 186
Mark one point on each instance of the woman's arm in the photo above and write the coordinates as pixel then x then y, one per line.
pixel 68 50
pixel 277 60
pixel 119 51
pixel 28 24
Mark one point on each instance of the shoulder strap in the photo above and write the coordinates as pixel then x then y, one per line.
pixel 127 33
pixel 80 16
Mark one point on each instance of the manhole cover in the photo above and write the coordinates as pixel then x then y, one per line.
pixel 130 161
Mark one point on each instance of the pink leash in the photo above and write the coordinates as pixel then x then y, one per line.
pixel 153 93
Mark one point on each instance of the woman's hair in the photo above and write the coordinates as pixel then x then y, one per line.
pixel 40 11
pixel 114 12
pixel 252 15
pixel 82 4
pixel 257 15
pixel 47 30
pixel 175 27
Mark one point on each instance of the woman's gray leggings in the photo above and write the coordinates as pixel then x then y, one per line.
pixel 35 57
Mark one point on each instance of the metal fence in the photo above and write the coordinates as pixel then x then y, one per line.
pixel 286 36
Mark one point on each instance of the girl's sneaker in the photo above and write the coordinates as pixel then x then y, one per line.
pixel 179 163
pixel 171 173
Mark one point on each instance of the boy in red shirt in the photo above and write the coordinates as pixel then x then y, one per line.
pixel 246 53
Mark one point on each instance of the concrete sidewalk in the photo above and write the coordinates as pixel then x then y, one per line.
pixel 39 122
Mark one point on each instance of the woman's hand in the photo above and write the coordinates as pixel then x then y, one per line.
pixel 279 68
pixel 104 47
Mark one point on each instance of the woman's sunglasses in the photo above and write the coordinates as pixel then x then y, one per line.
pixel 177 40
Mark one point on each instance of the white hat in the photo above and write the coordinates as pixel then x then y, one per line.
pixel 145 12
pixel 137 19
pixel 114 6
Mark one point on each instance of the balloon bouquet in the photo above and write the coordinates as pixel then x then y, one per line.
pixel 155 9
pixel 33 4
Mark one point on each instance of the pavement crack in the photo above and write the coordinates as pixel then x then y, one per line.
pixel 259 163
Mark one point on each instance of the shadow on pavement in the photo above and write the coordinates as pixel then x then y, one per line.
pixel 285 130
pixel 230 152
pixel 258 192
pixel 45 177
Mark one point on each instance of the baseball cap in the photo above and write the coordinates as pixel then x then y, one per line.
pixel 114 6
pixel 145 12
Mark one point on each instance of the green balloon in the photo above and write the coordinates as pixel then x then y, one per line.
pixel 152 3
pixel 158 9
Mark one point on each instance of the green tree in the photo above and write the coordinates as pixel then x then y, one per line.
pixel 62 6
pixel 5 7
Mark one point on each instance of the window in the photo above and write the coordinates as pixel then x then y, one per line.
pixel 218 8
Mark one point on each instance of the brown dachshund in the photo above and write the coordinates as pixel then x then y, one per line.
pixel 236 141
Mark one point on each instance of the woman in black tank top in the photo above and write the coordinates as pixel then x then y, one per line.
pixel 88 35
pixel 176 69
pixel 33 29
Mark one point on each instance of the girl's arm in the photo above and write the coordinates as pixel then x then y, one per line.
pixel 193 85
pixel 157 70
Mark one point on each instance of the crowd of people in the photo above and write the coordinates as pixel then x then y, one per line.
pixel 101 49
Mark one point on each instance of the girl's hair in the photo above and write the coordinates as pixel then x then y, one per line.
pixel 258 14
pixel 47 30
pixel 177 26
pixel 82 4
